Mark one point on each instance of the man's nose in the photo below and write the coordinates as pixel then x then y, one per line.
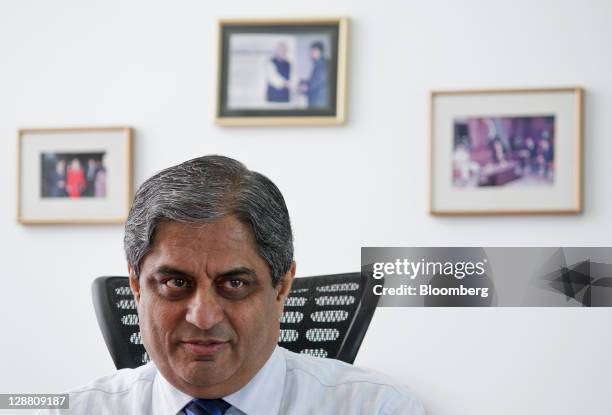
pixel 204 310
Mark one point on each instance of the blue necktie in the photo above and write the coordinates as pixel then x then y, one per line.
pixel 206 407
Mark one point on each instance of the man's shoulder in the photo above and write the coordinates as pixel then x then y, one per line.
pixel 122 381
pixel 337 378
pixel 332 372
pixel 116 393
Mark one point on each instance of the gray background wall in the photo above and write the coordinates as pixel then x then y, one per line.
pixel 151 65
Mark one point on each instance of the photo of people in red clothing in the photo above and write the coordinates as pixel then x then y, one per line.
pixel 504 151
pixel 73 175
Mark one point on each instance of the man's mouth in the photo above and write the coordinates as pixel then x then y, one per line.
pixel 204 347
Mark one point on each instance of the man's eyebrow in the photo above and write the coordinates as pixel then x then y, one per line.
pixel 238 271
pixel 168 270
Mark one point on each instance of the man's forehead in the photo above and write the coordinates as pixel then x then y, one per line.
pixel 225 242
pixel 221 232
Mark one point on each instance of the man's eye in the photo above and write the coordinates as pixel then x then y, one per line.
pixel 176 283
pixel 235 288
pixel 235 283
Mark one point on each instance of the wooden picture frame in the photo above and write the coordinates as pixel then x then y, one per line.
pixel 506 151
pixel 74 175
pixel 275 72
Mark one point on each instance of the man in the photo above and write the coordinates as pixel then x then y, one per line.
pixel 58 179
pixel 278 74
pixel 210 258
pixel 316 88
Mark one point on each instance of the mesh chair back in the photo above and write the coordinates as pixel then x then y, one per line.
pixel 324 316
pixel 118 320
pixel 327 316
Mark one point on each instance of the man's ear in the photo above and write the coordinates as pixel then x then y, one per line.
pixel 284 285
pixel 134 283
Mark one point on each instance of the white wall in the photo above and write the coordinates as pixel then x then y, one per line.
pixel 151 65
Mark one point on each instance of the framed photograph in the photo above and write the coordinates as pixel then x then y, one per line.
pixel 74 175
pixel 282 72
pixel 510 151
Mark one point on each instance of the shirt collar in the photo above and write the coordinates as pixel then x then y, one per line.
pixel 261 396
pixel 166 398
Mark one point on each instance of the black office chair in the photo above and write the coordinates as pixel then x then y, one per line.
pixel 324 316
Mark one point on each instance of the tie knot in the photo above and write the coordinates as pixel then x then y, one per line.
pixel 206 407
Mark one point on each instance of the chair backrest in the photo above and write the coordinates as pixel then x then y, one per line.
pixel 324 316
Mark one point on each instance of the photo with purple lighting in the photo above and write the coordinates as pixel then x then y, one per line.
pixel 503 151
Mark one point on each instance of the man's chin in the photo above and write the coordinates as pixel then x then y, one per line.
pixel 205 373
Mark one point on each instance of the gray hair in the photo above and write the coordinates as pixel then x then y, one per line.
pixel 206 189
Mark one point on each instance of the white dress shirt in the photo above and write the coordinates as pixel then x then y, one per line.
pixel 289 383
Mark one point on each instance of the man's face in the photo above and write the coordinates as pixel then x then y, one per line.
pixel 209 315
pixel 315 53
pixel 281 50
